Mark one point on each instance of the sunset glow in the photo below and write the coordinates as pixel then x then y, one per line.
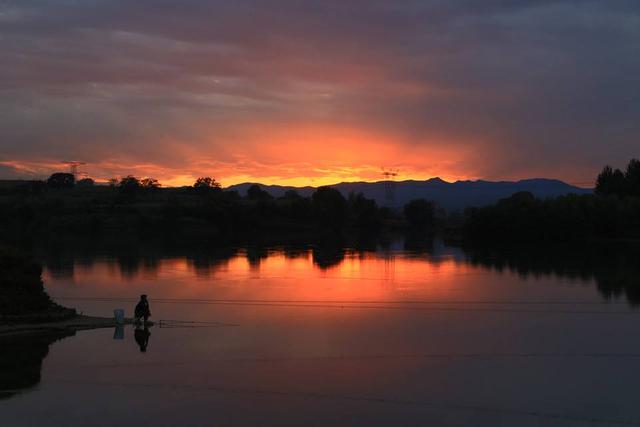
pixel 295 155
pixel 319 212
pixel 317 95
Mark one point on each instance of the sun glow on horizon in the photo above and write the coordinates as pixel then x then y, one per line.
pixel 302 181
pixel 299 155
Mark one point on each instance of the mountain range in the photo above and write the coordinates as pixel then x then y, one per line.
pixel 452 196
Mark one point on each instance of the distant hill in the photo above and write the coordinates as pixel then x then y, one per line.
pixel 451 196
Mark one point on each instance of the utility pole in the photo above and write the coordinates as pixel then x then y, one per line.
pixel 390 185
pixel 73 167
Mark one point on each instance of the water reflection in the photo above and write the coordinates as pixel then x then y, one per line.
pixel 613 267
pixel 118 332
pixel 205 263
pixel 519 332
pixel 22 355
pixel 141 335
pixel 327 256
pixel 21 360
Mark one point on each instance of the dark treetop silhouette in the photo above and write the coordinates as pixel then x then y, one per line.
pixel 205 211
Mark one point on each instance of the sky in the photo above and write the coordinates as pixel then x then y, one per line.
pixel 317 92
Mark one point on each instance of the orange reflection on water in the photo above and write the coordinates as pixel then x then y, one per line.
pixel 302 275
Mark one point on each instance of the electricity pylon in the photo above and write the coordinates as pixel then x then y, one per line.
pixel 389 185
pixel 73 167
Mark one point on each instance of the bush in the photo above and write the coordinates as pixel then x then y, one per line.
pixel 21 288
pixel 60 180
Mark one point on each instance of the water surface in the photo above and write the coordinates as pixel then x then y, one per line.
pixel 331 336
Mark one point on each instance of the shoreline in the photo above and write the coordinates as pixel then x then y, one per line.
pixel 76 323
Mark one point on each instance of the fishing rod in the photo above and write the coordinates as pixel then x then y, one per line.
pixel 167 323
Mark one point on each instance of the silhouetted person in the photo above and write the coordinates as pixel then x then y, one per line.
pixel 142 310
pixel 141 336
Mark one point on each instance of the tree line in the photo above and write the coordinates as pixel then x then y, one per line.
pixel 205 208
pixel 612 212
pixel 614 182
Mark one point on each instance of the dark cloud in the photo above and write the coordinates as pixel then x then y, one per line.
pixel 513 88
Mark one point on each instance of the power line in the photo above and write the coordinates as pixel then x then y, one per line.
pixel 353 305
pixel 163 323
pixel 490 302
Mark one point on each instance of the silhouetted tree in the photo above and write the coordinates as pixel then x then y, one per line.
pixel 564 218
pixel 85 182
pixel 60 180
pixel 206 185
pixel 297 207
pixel 256 193
pixel 364 211
pixel 616 182
pixel 610 182
pixel 419 213
pixel 149 183
pixel 632 178
pixel 21 287
pixel 329 207
pixel 21 284
pixel 129 185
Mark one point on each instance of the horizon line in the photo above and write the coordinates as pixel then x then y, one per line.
pixel 583 184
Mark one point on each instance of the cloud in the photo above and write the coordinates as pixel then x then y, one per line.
pixel 290 91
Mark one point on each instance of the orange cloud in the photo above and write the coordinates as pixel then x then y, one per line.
pixel 282 153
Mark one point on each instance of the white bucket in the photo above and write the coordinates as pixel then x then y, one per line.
pixel 118 313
